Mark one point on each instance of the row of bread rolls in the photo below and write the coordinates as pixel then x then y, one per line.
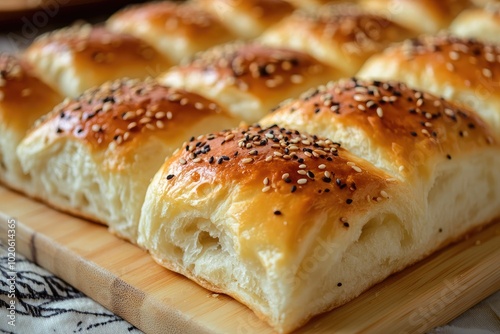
pixel 249 211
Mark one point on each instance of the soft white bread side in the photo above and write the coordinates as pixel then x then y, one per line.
pixel 289 224
pixel 423 16
pixel 249 79
pixel 23 99
pixel 341 35
pixel 74 59
pixel 247 18
pixel 465 71
pixel 480 23
pixel 95 155
pixel 177 30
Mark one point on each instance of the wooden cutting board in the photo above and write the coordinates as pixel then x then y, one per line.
pixel 125 280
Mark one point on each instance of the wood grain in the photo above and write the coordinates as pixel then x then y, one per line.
pixel 124 279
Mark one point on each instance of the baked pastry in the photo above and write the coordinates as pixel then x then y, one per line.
pixel 177 30
pixel 250 225
pixel 341 35
pixel 247 18
pixel 462 70
pixel 23 99
pixel 74 59
pixel 249 79
pixel 94 156
pixel 480 23
pixel 293 225
pixel 423 16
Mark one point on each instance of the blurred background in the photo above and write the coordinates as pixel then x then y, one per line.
pixel 22 20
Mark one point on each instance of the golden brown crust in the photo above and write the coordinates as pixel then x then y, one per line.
pixel 342 35
pixel 264 12
pixel 185 20
pixel 97 46
pixel 421 15
pixel 461 62
pixel 23 97
pixel 254 68
pixel 396 118
pixel 297 172
pixel 117 112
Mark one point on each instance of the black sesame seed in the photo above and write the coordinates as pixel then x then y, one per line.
pixel 294 188
pixel 211 160
pixel 326 179
pixel 327 190
pixel 440 230
pixel 288 180
pixel 346 224
pixel 277 213
pixel 413 133
pixel 448 156
pixel 339 284
pixel 59 130
pixel 170 176
pixel 348 201
pixel 310 174
pixel 220 160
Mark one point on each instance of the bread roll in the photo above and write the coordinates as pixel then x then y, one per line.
pixel 23 99
pixel 480 23
pixel 94 156
pixel 177 30
pixel 262 217
pixel 342 35
pixel 423 16
pixel 249 79
pixel 248 18
pixel 74 59
pixel 461 70
pixel 294 225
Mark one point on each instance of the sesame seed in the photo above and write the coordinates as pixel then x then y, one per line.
pixel 487 72
pixel 285 176
pixel 96 127
pixel 296 78
pixel 247 160
pixel 322 166
pixel 196 159
pixel 356 169
pixel 380 112
pixel 169 115
pixel 302 172
pixel 266 181
pixel 301 181
pixel 384 194
pixel 160 124
pixel 170 176
pixel 182 161
pixel 131 125
pixel 266 189
pixel 268 158
pixel 302 166
pixel 160 115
